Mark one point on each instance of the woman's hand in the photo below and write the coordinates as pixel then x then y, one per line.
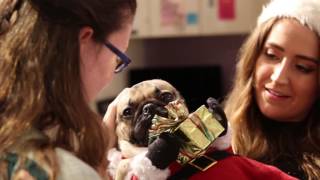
pixel 217 111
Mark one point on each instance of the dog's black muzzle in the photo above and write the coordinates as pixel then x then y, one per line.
pixel 143 122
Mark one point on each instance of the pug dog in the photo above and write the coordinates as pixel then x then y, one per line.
pixel 135 108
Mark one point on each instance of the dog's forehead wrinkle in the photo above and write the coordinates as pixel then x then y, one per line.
pixel 130 102
pixel 157 91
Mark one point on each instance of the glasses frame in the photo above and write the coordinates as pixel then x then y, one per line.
pixel 124 59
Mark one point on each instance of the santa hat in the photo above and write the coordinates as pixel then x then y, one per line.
pixel 307 12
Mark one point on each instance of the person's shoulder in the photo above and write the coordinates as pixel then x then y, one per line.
pixel 260 170
pixel 71 167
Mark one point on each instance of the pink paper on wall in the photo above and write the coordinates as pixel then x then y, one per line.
pixel 226 9
pixel 171 13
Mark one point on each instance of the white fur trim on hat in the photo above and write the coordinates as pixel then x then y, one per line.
pixel 307 12
pixel 114 157
pixel 139 166
pixel 142 168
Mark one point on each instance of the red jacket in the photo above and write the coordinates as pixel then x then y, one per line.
pixel 234 167
pixel 240 168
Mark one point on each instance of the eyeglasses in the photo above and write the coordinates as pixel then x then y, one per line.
pixel 122 59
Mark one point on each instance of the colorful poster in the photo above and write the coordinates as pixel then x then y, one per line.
pixel 226 9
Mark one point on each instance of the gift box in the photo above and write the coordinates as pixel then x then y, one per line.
pixel 196 131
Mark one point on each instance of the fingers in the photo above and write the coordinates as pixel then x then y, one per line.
pixel 218 113
pixel 212 103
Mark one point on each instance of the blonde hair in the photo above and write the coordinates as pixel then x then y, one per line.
pixel 250 137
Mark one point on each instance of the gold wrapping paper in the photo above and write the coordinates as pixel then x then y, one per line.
pixel 177 112
pixel 197 130
pixel 200 130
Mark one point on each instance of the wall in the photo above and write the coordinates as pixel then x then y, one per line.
pixel 215 49
pixel 218 50
pixel 187 51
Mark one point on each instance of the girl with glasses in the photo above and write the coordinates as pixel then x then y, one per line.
pixel 53 62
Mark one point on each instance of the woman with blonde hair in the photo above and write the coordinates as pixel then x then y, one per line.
pixel 55 56
pixel 273 107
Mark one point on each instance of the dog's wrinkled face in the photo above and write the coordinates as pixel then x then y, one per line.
pixel 136 107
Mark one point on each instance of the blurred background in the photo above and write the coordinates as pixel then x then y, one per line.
pixel 193 44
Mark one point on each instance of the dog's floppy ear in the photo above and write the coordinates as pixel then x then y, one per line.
pixel 110 118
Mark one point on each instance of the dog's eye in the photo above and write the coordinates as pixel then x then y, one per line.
pixel 127 111
pixel 167 97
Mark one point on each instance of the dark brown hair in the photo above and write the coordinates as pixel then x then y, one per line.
pixel 40 79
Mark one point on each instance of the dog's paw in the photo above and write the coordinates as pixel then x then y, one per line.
pixel 164 150
pixel 217 111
